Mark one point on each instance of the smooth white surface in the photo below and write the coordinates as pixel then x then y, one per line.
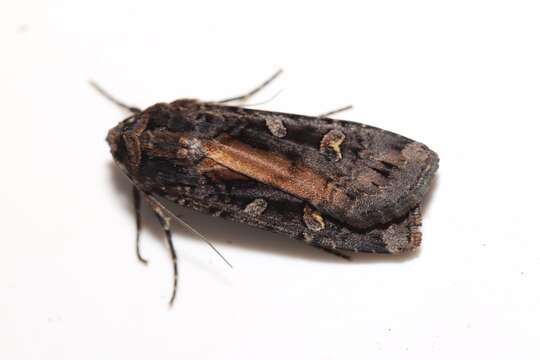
pixel 461 76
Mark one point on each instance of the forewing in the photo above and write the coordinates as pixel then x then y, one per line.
pixel 357 174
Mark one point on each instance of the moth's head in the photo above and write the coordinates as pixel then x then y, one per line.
pixel 116 140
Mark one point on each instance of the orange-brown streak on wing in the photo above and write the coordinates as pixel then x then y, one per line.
pixel 219 172
pixel 268 168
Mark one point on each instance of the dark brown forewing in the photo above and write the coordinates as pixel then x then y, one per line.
pixel 357 174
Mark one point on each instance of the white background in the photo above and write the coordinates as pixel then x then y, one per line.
pixel 461 76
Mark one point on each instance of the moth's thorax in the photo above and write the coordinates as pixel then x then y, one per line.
pixel 156 132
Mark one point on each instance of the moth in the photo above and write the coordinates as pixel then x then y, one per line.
pixel 333 184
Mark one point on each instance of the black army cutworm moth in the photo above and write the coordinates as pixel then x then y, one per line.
pixel 336 185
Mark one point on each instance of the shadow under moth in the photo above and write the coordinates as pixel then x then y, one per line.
pixel 333 184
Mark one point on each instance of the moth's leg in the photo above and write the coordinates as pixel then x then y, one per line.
pixel 156 203
pixel 99 89
pixel 245 97
pixel 137 208
pixel 334 252
pixel 337 111
pixel 165 222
